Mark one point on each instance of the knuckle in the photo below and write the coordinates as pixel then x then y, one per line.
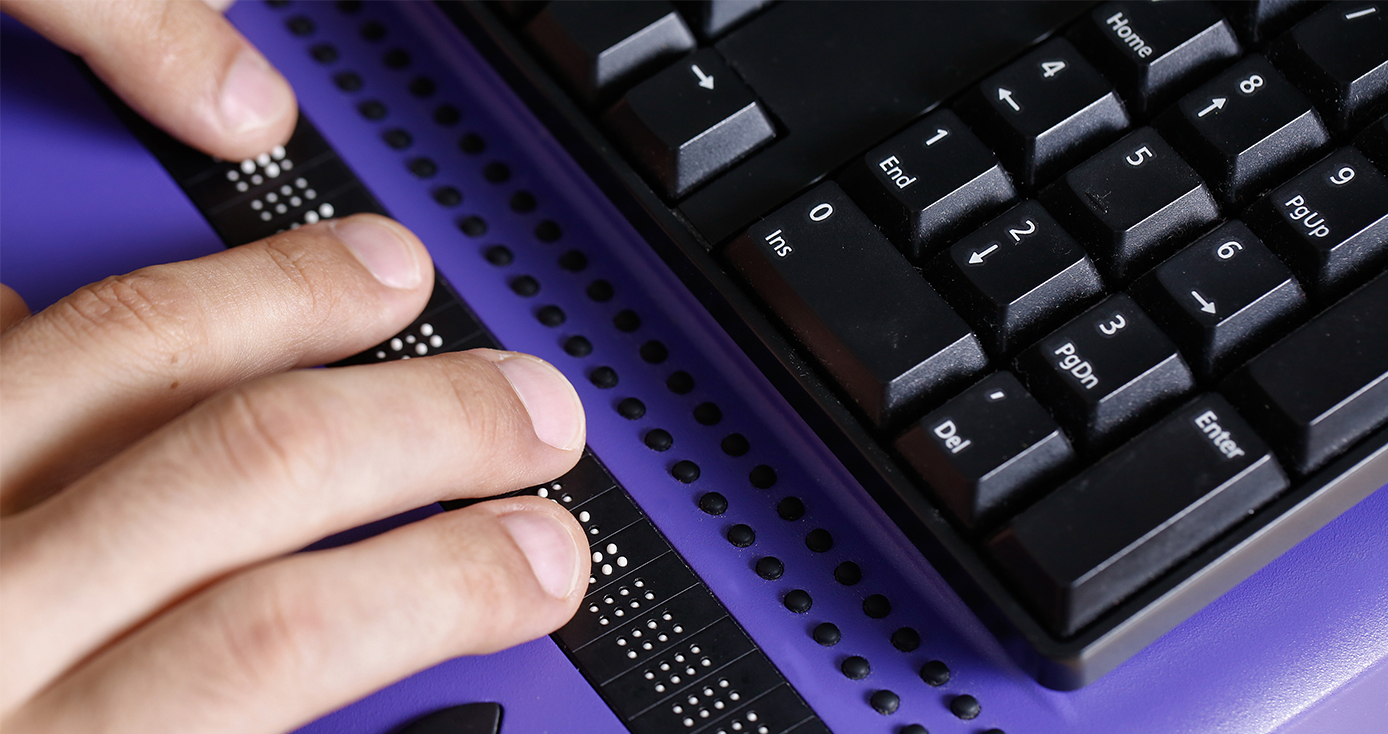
pixel 488 409
pixel 268 632
pixel 156 316
pixel 276 435
pixel 307 279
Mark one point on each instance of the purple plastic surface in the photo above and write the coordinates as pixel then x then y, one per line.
pixel 1312 627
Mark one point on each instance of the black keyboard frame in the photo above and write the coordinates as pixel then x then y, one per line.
pixel 1061 663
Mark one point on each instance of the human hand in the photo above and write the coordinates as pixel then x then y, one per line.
pixel 157 462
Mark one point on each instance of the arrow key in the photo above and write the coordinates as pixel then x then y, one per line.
pixel 689 122
pixel 1222 299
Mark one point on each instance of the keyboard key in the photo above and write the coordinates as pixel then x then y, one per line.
pixel 1259 20
pixel 1153 52
pixel 601 46
pixel 983 451
pixel 1325 386
pixel 1136 514
pixel 1105 373
pixel 1245 129
pixel 1373 142
pixel 1221 299
pixel 1340 57
pixel 1046 111
pixel 1329 223
pixel 1017 278
pixel 856 303
pixel 712 18
pixel 689 122
pixel 1132 204
pixel 930 184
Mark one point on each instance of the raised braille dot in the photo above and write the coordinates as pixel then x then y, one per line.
pixel 471 143
pixel 573 261
pixel 659 439
pixel 299 25
pixel 548 231
pixel 496 172
pixel 473 225
pixel 735 444
pixel 685 470
pixel 372 109
pixel 913 729
pixel 935 673
pixel 855 667
pixel 349 7
pixel 742 535
pixel 906 639
pixel 762 477
pixel 422 167
pixel 422 86
pixel 372 30
pixel 847 573
pixel 827 634
pixel 397 138
pixel 631 408
pixel 877 606
pixel 550 315
pixel 347 81
pixel 885 702
pixel 790 509
pixel 323 53
pixel 680 383
pixel 965 707
pixel 713 503
pixel 500 256
pixel 798 601
pixel 708 414
pixel 448 196
pixel 770 568
pixel 603 378
pixel 578 346
pixel 523 202
pixel 396 58
pixel 654 352
pixel 819 540
pixel 600 291
pixel 447 114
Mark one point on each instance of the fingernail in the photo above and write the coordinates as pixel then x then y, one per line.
pixel 381 249
pixel 556 413
pixel 548 547
pixel 254 95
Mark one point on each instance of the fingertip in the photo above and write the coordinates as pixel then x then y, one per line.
pixel 549 547
pixel 555 410
pixel 389 251
pixel 256 105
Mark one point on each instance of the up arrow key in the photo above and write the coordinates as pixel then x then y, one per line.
pixel 705 80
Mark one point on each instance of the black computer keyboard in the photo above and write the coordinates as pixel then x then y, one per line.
pixel 1092 298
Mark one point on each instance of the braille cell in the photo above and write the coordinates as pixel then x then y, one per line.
pixel 685 470
pixel 770 568
pixel 798 601
pixel 397 138
pixel 578 346
pixel 500 256
pixel 855 667
pixel 472 144
pixel 848 573
pixel 965 707
pixel 422 86
pixel 877 606
pixel 790 509
pixel 448 196
pixel 906 639
pixel 347 81
pixel 573 261
pixel 735 444
pixel 551 315
pixel 935 673
pixel 603 378
pixel 708 414
pixel 422 167
pixel 372 30
pixel 626 321
pixel 659 439
pixel 742 535
pixel 496 172
pixel 885 702
pixel 680 383
pixel 827 634
pixel 600 291
pixel 762 477
pixel 396 58
pixel 631 408
pixel 523 202
pixel 548 231
pixel 654 352
pixel 323 53
pixel 819 540
pixel 372 109
pixel 525 286
pixel 473 225
pixel 299 25
pixel 447 114
pixel 713 503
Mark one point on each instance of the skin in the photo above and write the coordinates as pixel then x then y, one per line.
pixel 163 452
